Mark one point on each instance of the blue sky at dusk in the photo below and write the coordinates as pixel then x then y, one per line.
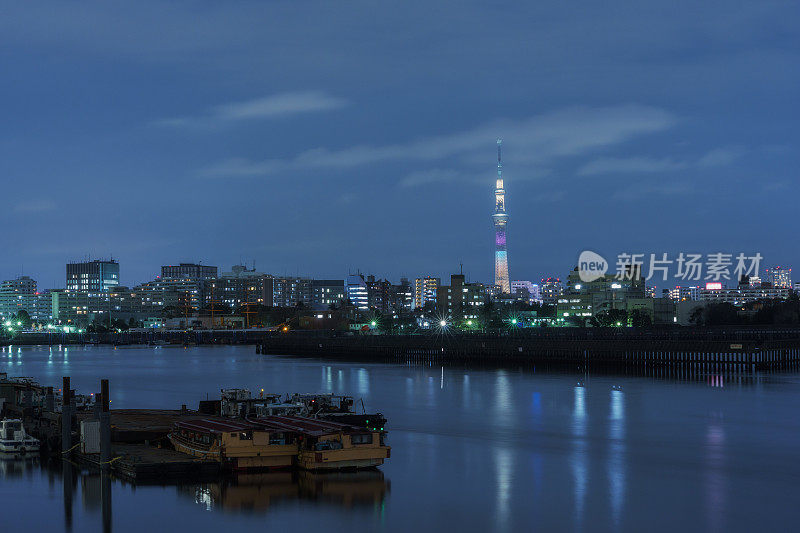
pixel 318 138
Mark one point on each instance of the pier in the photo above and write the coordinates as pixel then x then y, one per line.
pixel 621 349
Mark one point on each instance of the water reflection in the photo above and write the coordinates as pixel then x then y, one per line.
pixel 251 492
pixel 714 474
pixel 616 460
pixel 579 459
pixel 260 491
pixel 504 466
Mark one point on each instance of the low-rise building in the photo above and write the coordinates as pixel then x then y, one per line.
pixel 551 289
pixel 526 291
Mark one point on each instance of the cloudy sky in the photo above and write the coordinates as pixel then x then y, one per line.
pixel 324 137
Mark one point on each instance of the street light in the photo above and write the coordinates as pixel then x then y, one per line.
pixel 443 323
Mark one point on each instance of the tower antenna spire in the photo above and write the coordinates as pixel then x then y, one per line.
pixel 499 163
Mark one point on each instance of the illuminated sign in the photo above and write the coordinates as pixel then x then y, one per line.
pixel 713 286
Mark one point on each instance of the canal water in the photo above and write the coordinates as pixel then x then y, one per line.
pixel 472 450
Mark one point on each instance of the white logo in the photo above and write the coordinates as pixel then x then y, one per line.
pixel 591 266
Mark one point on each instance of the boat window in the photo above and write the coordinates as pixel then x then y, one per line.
pixel 246 435
pixel 363 438
pixel 328 445
pixel 16 426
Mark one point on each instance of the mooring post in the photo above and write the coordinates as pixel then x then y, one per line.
pixel 105 425
pixel 49 400
pixel 66 416
pixel 98 405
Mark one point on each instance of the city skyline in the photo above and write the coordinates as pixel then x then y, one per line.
pixel 158 139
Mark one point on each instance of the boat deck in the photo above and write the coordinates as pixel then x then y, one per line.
pixel 138 462
pixel 140 425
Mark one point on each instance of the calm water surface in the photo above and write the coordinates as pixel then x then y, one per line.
pixel 472 450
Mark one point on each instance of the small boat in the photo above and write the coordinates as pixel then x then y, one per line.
pixel 14 438
pixel 239 445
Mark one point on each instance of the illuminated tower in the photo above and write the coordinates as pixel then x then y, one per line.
pixel 500 221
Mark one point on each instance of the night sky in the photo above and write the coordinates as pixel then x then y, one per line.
pixel 318 138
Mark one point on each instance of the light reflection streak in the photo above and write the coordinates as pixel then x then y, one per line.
pixel 363 381
pixel 616 460
pixel 504 467
pixel 578 461
pixel 714 475
pixel 503 407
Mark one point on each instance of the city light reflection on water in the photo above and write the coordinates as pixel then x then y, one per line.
pixel 473 449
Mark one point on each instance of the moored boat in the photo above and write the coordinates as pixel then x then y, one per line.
pixel 239 445
pixel 14 439
pixel 326 445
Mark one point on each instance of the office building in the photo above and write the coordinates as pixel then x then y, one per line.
pixel 327 292
pixel 357 293
pixel 92 276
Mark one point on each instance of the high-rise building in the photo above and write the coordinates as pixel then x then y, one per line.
pixel 402 296
pixel 357 291
pixel 461 300
pixel 20 295
pixel 188 271
pixel 779 277
pixel 425 290
pixel 500 218
pixel 97 275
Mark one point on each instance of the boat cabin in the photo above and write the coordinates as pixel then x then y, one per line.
pixel 326 445
pixel 240 444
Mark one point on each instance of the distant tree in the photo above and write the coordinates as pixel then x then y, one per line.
pixel 640 318
pixel 24 318
pixel 716 314
pixel 98 325
pixel 610 317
